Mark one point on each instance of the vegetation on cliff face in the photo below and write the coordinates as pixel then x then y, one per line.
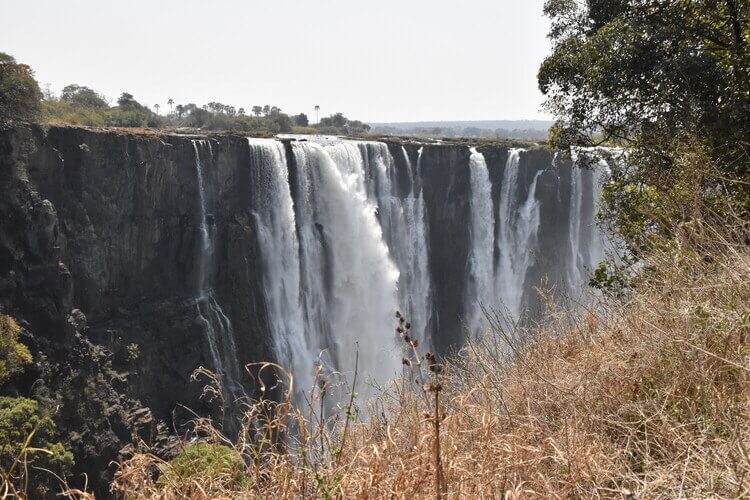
pixel 32 461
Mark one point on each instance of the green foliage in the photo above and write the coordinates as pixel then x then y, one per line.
pixel 207 460
pixel 13 355
pixel 28 443
pixel 19 92
pixel 663 66
pixel 670 80
pixel 339 124
pixel 301 120
pixel 134 351
pixel 83 96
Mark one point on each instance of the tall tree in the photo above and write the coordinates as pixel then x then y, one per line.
pixel 641 70
pixel 84 96
pixel 317 111
pixel 19 92
pixel 170 103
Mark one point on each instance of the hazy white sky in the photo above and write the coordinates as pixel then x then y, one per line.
pixel 390 60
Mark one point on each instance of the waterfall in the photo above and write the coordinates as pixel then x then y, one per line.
pixel 273 210
pixel 348 280
pixel 216 325
pixel 401 217
pixel 575 266
pixel 415 290
pixel 480 283
pixel 518 226
pixel 347 243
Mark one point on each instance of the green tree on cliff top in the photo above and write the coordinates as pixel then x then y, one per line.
pixel 19 92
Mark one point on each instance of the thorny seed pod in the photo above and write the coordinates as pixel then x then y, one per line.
pixel 399 329
pixel 408 325
pixel 414 342
pixel 407 338
pixel 406 362
pixel 398 314
pixel 430 357
pixel 401 320
pixel 436 368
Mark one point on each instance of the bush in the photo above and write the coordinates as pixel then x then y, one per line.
pixel 206 462
pixel 27 445
pixel 13 355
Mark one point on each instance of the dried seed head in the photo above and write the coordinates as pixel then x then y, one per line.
pixel 406 362
pixel 407 338
pixel 414 342
pixel 401 320
pixel 430 357
pixel 399 315
pixel 408 325
pixel 399 329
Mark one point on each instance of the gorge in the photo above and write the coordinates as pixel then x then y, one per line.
pixel 219 251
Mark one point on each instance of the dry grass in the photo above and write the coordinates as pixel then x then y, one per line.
pixel 644 399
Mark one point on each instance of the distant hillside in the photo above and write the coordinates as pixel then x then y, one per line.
pixel 514 129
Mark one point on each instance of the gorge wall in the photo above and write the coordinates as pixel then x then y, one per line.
pixel 163 253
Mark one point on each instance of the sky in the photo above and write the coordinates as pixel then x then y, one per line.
pixel 384 61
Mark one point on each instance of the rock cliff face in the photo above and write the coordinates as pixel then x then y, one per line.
pixel 100 249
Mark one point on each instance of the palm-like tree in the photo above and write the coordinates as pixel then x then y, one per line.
pixel 156 107
pixel 171 103
pixel 317 108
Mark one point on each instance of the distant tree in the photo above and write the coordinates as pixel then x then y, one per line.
pixel 180 110
pixel 241 111
pixel 170 102
pixel 317 110
pixel 274 109
pixel 279 122
pixel 83 96
pixel 125 100
pixel 156 107
pixel 19 92
pixel 198 117
pixel 301 120
pixel 266 110
pixel 257 110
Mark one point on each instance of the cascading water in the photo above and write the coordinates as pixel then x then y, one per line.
pixel 348 279
pixel 415 292
pixel 585 238
pixel 402 220
pixel 216 325
pixel 480 283
pixel 273 210
pixel 518 226
pixel 343 239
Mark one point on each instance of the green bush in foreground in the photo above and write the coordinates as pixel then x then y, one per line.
pixel 206 460
pixel 28 445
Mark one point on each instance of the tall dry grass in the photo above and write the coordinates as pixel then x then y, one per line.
pixel 643 398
